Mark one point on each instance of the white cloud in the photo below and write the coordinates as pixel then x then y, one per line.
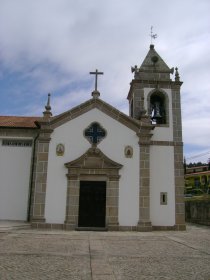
pixel 197 131
pixel 54 44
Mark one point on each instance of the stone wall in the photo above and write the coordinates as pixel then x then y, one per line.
pixel 197 212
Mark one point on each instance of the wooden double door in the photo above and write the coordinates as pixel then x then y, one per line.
pixel 92 204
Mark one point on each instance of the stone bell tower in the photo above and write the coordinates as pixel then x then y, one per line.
pixel 152 90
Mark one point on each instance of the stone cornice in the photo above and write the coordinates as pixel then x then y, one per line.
pixel 18 132
pixel 166 143
pixel 89 105
pixel 135 83
pixel 93 159
pixel 73 177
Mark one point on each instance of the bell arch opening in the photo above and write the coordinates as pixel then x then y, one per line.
pixel 158 107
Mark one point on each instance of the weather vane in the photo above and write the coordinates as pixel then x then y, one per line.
pixel 153 36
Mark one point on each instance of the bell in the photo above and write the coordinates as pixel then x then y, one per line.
pixel 156 111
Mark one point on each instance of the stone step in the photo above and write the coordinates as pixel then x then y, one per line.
pixel 7 225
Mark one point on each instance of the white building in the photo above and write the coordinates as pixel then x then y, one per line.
pixel 93 167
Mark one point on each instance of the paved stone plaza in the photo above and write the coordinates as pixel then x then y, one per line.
pixel 34 254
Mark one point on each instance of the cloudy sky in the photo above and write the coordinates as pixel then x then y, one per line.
pixel 52 45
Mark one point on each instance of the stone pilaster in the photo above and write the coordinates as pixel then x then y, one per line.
pixel 144 223
pixel 39 190
pixel 72 202
pixel 179 188
pixel 112 202
pixel 178 158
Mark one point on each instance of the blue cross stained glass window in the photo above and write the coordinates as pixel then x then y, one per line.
pixel 95 133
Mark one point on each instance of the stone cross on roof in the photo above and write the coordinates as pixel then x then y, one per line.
pixel 96 93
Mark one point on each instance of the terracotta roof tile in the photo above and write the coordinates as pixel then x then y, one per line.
pixel 19 122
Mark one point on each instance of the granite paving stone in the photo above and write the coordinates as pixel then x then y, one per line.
pixel 43 254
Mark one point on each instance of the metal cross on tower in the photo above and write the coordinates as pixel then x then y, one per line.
pixel 96 73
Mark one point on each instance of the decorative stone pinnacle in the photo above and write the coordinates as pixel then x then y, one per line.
pixel 134 69
pixel 177 78
pixel 47 113
pixel 48 107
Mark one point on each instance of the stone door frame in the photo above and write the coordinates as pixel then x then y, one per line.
pixel 92 166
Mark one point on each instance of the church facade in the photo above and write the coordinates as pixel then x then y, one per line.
pixel 94 167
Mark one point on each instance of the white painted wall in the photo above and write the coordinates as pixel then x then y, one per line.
pixel 162 180
pixel 15 164
pixel 71 135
